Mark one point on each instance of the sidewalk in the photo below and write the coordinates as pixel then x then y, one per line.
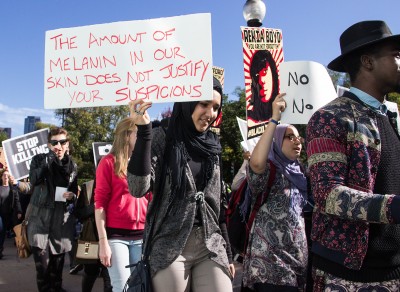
pixel 18 275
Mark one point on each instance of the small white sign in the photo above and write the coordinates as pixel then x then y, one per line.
pixel 59 194
pixel 247 144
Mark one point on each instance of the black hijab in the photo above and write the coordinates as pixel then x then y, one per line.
pixel 184 141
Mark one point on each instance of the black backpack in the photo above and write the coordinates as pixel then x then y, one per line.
pixel 240 216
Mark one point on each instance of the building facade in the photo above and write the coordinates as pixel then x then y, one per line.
pixel 30 124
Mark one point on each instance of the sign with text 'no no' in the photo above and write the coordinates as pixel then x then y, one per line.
pixel 308 87
pixel 158 60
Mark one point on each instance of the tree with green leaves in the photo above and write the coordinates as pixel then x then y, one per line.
pixel 343 79
pixel 40 126
pixel 3 136
pixel 230 133
pixel 88 125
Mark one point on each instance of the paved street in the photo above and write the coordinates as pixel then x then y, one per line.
pixel 18 275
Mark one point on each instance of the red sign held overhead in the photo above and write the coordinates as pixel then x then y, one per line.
pixel 262 53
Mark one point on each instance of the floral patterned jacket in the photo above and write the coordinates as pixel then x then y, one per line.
pixel 277 249
pixel 344 150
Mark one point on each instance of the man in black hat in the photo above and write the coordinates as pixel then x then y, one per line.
pixel 353 148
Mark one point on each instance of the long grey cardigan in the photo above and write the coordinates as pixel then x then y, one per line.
pixel 50 223
pixel 172 231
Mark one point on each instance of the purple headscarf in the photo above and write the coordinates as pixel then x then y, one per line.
pixel 290 168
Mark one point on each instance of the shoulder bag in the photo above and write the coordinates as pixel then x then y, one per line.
pixel 88 244
pixel 21 237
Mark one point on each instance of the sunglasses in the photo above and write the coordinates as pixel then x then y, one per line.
pixel 293 138
pixel 55 142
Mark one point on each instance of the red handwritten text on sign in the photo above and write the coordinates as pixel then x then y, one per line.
pixel 111 64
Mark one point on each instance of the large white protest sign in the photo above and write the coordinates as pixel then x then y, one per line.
pixel 159 60
pixel 20 150
pixel 307 86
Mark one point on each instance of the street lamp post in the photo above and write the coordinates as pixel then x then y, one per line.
pixel 254 12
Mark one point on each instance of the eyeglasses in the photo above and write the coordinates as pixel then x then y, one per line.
pixel 55 142
pixel 294 138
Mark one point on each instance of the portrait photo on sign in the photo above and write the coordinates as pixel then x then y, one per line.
pixel 262 55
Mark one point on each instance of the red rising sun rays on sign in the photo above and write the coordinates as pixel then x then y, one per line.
pixel 247 60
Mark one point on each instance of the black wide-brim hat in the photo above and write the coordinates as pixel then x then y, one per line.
pixel 359 35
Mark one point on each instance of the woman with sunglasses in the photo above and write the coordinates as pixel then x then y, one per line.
pixel 51 224
pixel 276 257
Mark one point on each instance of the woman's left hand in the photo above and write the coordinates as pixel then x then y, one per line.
pixel 232 270
pixel 69 195
pixel 138 111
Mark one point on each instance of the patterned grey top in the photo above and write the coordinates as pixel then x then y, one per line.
pixel 277 249
pixel 172 230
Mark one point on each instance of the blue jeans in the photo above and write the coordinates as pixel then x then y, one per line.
pixel 124 252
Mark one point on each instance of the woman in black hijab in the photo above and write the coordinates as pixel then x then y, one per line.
pixel 182 169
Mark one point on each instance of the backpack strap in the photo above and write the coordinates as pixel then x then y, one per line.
pixel 261 199
pixel 235 200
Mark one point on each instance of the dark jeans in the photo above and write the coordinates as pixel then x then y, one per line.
pixel 91 272
pixel 49 269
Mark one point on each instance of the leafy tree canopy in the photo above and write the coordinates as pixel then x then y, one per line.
pixel 88 125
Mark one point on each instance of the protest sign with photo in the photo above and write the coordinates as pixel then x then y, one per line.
pixel 20 150
pixel 218 73
pixel 100 149
pixel 159 60
pixel 262 55
pixel 308 87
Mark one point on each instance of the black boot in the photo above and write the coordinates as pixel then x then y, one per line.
pixel 1 252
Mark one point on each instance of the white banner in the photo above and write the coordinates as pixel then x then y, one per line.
pixel 247 144
pixel 159 60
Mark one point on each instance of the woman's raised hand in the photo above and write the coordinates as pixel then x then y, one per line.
pixel 278 106
pixel 138 111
